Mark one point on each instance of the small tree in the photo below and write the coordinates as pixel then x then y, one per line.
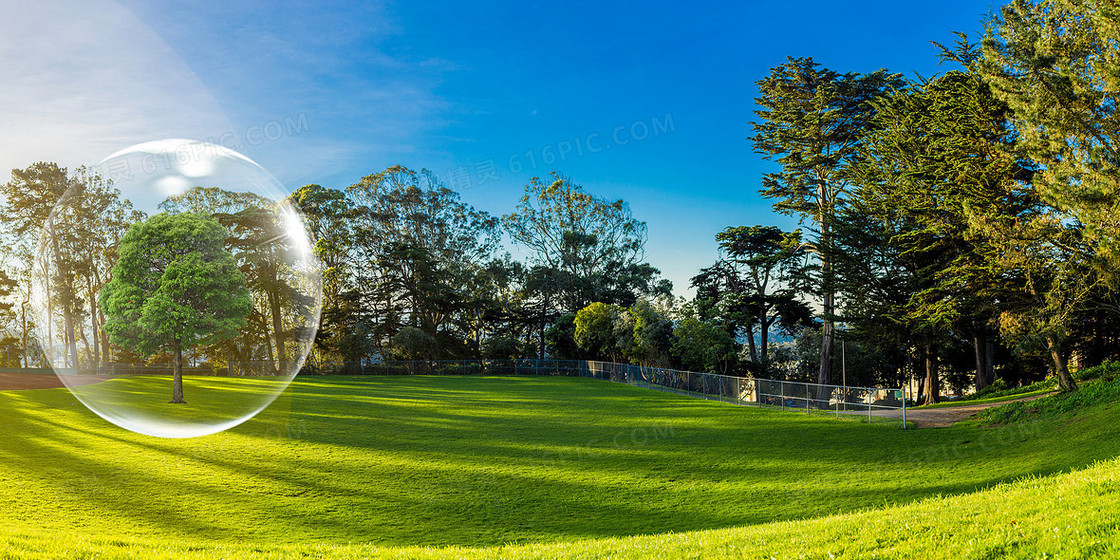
pixel 704 346
pixel 604 330
pixel 653 336
pixel 411 343
pixel 174 287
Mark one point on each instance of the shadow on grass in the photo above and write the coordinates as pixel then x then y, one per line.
pixel 482 461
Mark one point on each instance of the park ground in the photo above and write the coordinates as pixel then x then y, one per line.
pixel 525 467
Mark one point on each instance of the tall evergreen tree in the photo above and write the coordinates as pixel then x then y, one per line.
pixel 1054 63
pixel 811 122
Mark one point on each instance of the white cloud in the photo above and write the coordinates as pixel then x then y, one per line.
pixel 84 79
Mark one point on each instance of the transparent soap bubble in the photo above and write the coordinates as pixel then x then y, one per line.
pixel 225 273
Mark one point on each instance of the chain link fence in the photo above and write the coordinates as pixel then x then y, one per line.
pixel 785 395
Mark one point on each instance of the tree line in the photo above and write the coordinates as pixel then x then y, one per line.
pixel 955 230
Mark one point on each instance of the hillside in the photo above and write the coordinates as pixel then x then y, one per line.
pixel 526 467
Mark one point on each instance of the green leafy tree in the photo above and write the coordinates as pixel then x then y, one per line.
pixel 560 338
pixel 421 251
pixel 811 123
pixel 1054 63
pixel 82 218
pixel 603 330
pixel 592 248
pixel 704 346
pixel 414 345
pixel 256 236
pixel 941 157
pixel 653 335
pixel 174 287
pixel 943 177
pixel 506 348
pixel 411 343
pixel 342 331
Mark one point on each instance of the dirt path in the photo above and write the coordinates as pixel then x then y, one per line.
pixel 944 417
pixel 23 381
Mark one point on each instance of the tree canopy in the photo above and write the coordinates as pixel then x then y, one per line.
pixel 174 287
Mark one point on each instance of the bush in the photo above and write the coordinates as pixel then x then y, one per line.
pixel 1107 370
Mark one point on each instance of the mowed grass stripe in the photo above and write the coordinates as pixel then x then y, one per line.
pixel 479 462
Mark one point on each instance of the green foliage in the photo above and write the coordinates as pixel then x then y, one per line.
pixel 590 247
pixel 342 331
pixel 411 343
pixel 704 346
pixel 604 330
pixel 1054 62
pixel 640 334
pixel 1107 371
pixel 1000 389
pixel 865 365
pixel 653 335
pixel 811 123
pixel 174 287
pixel 561 338
pixel 419 251
pixel 79 221
pixel 756 287
pixel 506 348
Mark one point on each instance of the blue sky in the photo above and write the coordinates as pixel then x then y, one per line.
pixel 649 103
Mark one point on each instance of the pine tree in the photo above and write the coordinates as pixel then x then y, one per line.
pixel 811 123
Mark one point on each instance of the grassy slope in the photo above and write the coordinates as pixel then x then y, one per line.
pixel 971 402
pixel 479 462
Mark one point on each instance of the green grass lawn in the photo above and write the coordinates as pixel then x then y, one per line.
pixel 971 402
pixel 140 402
pixel 530 466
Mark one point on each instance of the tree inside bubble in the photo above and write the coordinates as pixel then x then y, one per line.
pixel 174 287
pixel 231 338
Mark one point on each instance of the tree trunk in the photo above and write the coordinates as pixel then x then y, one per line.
pixel 540 341
pixel 106 355
pixel 277 329
pixel 825 376
pixel 989 359
pixel 177 385
pixel 99 332
pixel 26 349
pixel 96 328
pixel 921 387
pixel 1065 380
pixel 65 295
pixel 824 216
pixel 980 348
pixel 933 383
pixel 267 344
pixel 751 346
pixel 764 342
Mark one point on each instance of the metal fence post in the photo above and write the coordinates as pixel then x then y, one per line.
pixel 903 392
